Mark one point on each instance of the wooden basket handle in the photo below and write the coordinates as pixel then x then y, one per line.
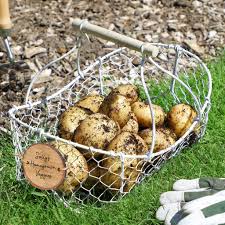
pixel 5 22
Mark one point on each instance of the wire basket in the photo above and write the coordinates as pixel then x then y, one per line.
pixel 171 76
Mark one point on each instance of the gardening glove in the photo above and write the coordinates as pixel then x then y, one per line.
pixel 194 202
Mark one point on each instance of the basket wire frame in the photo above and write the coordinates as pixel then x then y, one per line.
pixel 174 76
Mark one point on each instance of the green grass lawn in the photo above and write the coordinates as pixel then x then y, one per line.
pixel 22 204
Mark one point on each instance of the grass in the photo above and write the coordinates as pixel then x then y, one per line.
pixel 22 204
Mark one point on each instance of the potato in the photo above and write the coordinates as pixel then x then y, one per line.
pixel 180 118
pixel 164 138
pixel 97 130
pixel 70 120
pixel 143 114
pixel 127 90
pixel 112 179
pixel 132 124
pixel 128 143
pixel 91 102
pixel 117 108
pixel 76 164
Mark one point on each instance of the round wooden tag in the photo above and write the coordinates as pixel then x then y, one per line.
pixel 44 166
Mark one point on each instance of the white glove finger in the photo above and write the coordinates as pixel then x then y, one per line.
pixel 171 197
pixel 176 196
pixel 183 185
pixel 163 210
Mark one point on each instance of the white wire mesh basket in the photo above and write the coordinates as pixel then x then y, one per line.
pixel 170 76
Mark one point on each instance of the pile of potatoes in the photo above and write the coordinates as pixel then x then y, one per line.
pixel 119 122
